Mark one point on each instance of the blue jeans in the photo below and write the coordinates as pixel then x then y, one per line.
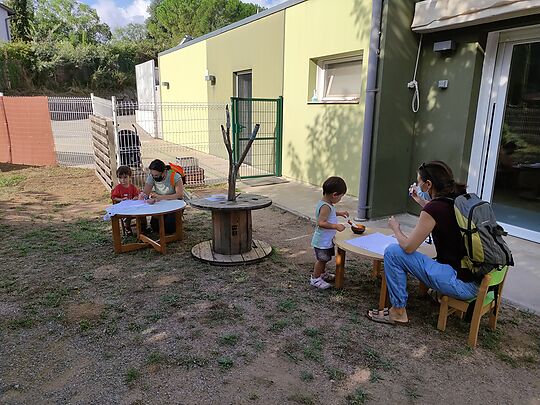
pixel 440 277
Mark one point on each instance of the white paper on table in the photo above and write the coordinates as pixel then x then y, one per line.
pixel 375 242
pixel 141 207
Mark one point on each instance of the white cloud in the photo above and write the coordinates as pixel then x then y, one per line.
pixel 115 16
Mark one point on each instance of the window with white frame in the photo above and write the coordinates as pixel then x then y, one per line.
pixel 339 79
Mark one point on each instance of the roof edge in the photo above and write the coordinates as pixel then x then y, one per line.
pixel 247 20
pixel 9 11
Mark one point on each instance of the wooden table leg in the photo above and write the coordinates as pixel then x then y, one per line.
pixel 162 239
pixel 340 267
pixel 383 295
pixel 178 220
pixel 139 227
pixel 117 239
pixel 377 267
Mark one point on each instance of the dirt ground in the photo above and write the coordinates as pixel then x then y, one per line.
pixel 81 325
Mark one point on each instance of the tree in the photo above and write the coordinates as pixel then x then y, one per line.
pixel 59 20
pixel 21 22
pixel 171 20
pixel 131 32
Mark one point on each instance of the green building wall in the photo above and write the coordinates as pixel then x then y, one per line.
pixel 392 147
pixel 443 128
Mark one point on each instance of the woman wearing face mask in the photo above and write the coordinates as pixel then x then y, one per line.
pixel 159 187
pixel 420 196
pixel 444 274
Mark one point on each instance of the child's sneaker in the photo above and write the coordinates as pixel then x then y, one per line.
pixel 319 283
pixel 328 277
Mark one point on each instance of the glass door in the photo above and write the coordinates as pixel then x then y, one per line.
pixel 512 176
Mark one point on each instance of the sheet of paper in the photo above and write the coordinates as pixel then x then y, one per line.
pixel 375 242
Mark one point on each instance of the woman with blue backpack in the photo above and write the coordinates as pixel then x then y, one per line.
pixel 443 274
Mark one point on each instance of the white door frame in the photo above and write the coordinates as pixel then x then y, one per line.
pixel 490 115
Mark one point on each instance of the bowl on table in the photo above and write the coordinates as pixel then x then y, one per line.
pixel 359 229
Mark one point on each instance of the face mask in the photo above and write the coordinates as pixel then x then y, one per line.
pixel 424 195
pixel 158 178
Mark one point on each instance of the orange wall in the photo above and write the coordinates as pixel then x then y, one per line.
pixel 29 129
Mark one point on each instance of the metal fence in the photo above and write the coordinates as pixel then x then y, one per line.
pixel 71 130
pixel 189 134
pixel 185 133
pixel 264 157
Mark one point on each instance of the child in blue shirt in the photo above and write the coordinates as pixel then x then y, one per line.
pixel 334 188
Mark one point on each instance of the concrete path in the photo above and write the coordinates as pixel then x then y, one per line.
pixel 522 287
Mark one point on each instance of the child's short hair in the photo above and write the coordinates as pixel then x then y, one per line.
pixel 333 185
pixel 123 171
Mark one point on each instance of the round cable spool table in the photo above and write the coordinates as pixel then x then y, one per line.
pixel 232 241
pixel 138 210
pixel 340 240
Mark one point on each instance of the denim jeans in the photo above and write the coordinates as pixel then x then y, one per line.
pixel 440 277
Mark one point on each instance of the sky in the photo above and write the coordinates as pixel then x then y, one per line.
pixel 118 13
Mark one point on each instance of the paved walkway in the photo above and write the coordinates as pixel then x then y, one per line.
pixel 521 288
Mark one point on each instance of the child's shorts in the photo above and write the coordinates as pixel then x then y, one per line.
pixel 324 255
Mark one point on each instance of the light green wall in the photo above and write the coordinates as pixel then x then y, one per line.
pixel 184 71
pixel 321 140
pixel 258 47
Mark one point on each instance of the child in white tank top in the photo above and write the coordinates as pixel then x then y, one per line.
pixel 334 188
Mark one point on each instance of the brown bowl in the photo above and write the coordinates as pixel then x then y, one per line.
pixel 358 229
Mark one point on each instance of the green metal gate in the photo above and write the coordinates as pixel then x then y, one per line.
pixel 264 158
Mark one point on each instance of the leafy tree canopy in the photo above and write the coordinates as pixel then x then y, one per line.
pixel 59 20
pixel 171 20
pixel 21 21
pixel 131 32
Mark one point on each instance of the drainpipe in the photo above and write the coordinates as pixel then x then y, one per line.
pixel 369 110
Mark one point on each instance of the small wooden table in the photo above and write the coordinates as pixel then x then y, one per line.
pixel 142 210
pixel 340 240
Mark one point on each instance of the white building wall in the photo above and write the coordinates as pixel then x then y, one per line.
pixel 4 26
pixel 147 97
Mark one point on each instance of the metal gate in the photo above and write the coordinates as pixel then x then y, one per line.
pixel 264 158
pixel 71 130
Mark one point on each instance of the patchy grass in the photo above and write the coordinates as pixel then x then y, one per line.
pixel 132 374
pixel 376 361
pixel 225 363
pixel 359 397
pixel 229 339
pixel 306 376
pixel 304 399
pixel 11 180
pixel 172 325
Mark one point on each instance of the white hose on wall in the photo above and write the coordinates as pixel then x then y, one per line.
pixel 413 84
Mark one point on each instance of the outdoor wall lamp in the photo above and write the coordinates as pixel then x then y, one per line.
pixel 165 84
pixel 444 46
pixel 210 78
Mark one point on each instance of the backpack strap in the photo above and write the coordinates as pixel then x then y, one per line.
pixel 172 178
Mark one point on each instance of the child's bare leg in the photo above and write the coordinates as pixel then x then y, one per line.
pixel 318 269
